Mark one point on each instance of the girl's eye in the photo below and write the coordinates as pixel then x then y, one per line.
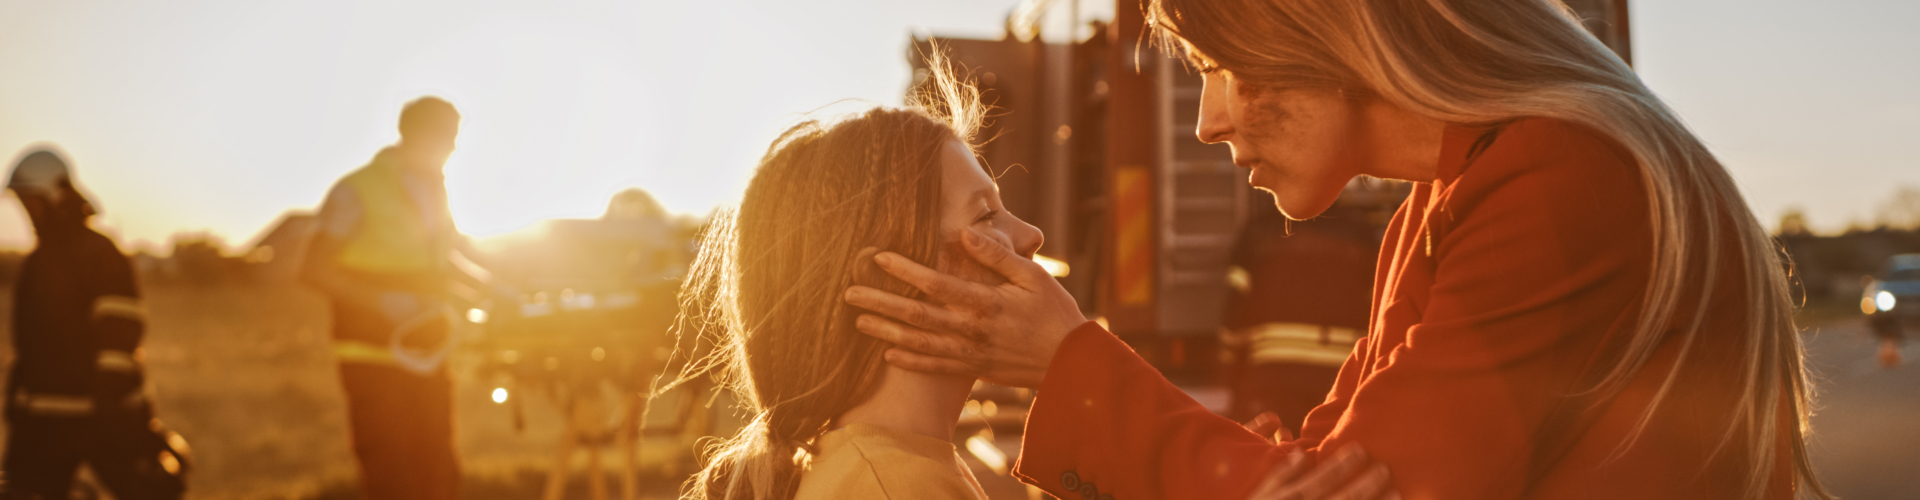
pixel 986 217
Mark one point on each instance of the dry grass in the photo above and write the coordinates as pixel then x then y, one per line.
pixel 245 373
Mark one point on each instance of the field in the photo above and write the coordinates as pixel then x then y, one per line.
pixel 245 373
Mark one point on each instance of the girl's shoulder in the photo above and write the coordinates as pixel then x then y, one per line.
pixel 870 462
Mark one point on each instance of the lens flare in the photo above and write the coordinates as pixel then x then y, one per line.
pixel 983 448
pixel 1055 267
pixel 499 394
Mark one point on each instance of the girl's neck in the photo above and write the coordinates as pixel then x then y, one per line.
pixel 920 403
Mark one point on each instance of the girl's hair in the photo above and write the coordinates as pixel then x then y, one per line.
pixel 766 289
pixel 1481 62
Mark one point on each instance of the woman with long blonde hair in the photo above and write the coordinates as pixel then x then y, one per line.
pixel 1576 301
pixel 828 418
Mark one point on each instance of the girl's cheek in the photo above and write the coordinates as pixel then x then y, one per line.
pixel 955 260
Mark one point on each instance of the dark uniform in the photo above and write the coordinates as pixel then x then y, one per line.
pixel 1303 305
pixel 76 392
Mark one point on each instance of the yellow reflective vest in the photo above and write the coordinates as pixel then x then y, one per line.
pixel 392 237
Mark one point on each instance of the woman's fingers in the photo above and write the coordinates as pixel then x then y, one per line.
pixel 1333 473
pixel 928 364
pixel 913 312
pixel 1339 477
pixel 1022 271
pixel 1370 485
pixel 1279 481
pixel 911 338
pixel 1265 424
pixel 941 286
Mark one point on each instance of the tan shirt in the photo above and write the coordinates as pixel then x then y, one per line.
pixel 861 462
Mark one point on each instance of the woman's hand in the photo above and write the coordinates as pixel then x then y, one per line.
pixel 1268 425
pixel 1005 334
pixel 1348 475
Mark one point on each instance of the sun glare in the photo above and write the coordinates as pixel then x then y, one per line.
pixel 554 121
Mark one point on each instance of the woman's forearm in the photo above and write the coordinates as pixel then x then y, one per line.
pixel 1107 420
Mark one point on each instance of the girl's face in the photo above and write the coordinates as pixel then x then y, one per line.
pixel 970 199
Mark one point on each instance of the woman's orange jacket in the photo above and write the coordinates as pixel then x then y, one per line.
pixel 1499 286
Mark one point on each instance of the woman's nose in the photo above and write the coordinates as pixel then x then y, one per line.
pixel 1214 124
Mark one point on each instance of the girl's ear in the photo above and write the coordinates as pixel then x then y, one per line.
pixel 865 272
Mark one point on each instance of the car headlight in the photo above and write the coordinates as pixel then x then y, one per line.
pixel 1884 301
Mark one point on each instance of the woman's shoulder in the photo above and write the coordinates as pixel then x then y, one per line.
pixel 1544 182
pixel 1549 147
pixel 864 461
pixel 1545 161
pixel 1558 141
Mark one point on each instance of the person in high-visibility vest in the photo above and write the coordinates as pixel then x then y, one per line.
pixel 76 393
pixel 387 257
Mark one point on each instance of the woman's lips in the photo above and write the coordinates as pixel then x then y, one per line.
pixel 1263 178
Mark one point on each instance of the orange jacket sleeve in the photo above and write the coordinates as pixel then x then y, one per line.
pixel 1107 425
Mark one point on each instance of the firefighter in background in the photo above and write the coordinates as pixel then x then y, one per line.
pixel 1301 303
pixel 77 392
pixel 392 265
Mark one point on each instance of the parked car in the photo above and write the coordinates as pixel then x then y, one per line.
pixel 1892 303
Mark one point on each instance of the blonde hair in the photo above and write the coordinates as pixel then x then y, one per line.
pixel 1480 62
pixel 765 290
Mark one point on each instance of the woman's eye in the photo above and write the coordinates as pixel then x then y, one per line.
pixel 987 216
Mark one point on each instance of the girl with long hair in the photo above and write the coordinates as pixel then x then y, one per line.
pixel 828 418
pixel 1576 302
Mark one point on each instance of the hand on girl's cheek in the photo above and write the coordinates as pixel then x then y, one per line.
pixel 955 260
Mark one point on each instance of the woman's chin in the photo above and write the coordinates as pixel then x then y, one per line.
pixel 1296 196
pixel 1302 207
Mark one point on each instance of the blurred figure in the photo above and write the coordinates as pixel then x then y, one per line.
pixel 663 261
pixel 76 394
pixel 634 204
pixel 388 258
pixel 1303 300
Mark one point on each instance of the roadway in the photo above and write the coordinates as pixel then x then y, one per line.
pixel 1866 425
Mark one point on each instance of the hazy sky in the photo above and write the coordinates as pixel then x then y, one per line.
pixel 221 115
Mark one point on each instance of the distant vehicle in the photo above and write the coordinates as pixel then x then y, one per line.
pixel 1893 296
pixel 588 333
